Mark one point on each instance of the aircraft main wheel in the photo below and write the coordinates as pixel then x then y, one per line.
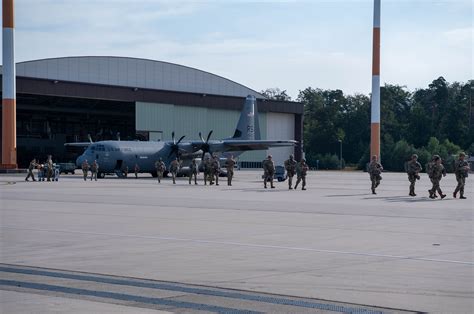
pixel 101 175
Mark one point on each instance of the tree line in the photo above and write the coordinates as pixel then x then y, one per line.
pixel 433 120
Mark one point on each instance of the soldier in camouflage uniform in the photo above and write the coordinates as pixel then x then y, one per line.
pixel 193 171
pixel 375 169
pixel 215 169
pixel 290 167
pixel 301 171
pixel 413 169
pixel 268 171
pixel 437 172
pixel 160 169
pixel 30 170
pixel 49 172
pixel 174 167
pixel 461 170
pixel 94 170
pixel 207 170
pixel 85 169
pixel 229 165
pixel 429 168
pixel 136 169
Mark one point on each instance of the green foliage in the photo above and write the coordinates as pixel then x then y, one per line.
pixel 435 120
pixel 329 162
pixel 276 94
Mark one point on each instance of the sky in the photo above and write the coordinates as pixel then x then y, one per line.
pixel 289 45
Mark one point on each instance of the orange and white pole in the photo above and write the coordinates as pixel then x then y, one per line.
pixel 8 89
pixel 375 108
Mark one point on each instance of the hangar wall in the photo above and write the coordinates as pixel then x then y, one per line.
pixel 280 126
pixel 190 120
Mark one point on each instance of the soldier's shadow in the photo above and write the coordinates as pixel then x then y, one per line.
pixel 405 199
pixel 346 195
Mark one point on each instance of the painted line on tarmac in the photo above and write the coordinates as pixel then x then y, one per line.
pixel 251 245
pixel 123 297
pixel 201 291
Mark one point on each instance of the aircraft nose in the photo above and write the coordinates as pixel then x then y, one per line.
pixel 79 161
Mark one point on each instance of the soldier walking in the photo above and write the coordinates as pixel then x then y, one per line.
pixel 413 170
pixel 207 170
pixel 49 172
pixel 429 168
pixel 85 169
pixel 437 172
pixel 301 171
pixel 461 170
pixel 174 167
pixel 375 169
pixel 290 167
pixel 94 170
pixel 30 170
pixel 136 169
pixel 160 169
pixel 193 171
pixel 229 165
pixel 215 168
pixel 268 171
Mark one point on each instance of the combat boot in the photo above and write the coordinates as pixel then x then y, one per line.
pixel 443 196
pixel 272 186
pixel 455 193
pixel 373 191
pixel 461 196
pixel 303 188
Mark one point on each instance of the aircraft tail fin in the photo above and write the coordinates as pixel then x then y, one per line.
pixel 248 127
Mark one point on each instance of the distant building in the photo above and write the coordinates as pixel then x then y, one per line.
pixel 64 99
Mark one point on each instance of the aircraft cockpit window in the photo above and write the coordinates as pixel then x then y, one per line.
pixel 100 148
pixel 92 147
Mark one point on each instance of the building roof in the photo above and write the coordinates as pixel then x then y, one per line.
pixel 133 73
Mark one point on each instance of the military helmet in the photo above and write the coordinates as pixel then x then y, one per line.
pixel 374 157
pixel 462 154
pixel 303 160
pixel 414 156
pixel 270 156
pixel 291 156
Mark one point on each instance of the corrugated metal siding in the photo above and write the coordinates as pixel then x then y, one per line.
pixel 280 126
pixel 189 121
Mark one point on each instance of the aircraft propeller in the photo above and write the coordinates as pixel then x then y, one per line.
pixel 175 146
pixel 205 147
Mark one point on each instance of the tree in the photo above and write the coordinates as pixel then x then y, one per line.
pixel 276 94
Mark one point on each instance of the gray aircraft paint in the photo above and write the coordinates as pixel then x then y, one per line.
pixel 115 156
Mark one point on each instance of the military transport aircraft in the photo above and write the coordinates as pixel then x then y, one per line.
pixel 116 156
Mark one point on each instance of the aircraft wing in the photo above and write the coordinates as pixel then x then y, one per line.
pixel 78 144
pixel 243 145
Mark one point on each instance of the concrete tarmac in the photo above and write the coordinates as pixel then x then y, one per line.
pixel 335 241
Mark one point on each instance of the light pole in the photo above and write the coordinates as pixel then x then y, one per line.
pixel 340 154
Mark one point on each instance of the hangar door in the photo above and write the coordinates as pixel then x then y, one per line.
pixel 280 126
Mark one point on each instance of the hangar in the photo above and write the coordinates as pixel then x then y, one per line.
pixel 64 99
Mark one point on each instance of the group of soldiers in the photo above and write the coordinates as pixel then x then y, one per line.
pixel 211 169
pixel 47 171
pixel 293 167
pixel 94 169
pixel 435 170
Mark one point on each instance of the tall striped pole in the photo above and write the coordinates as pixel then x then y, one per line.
pixel 8 89
pixel 375 108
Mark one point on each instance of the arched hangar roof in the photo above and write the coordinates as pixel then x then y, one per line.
pixel 134 73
